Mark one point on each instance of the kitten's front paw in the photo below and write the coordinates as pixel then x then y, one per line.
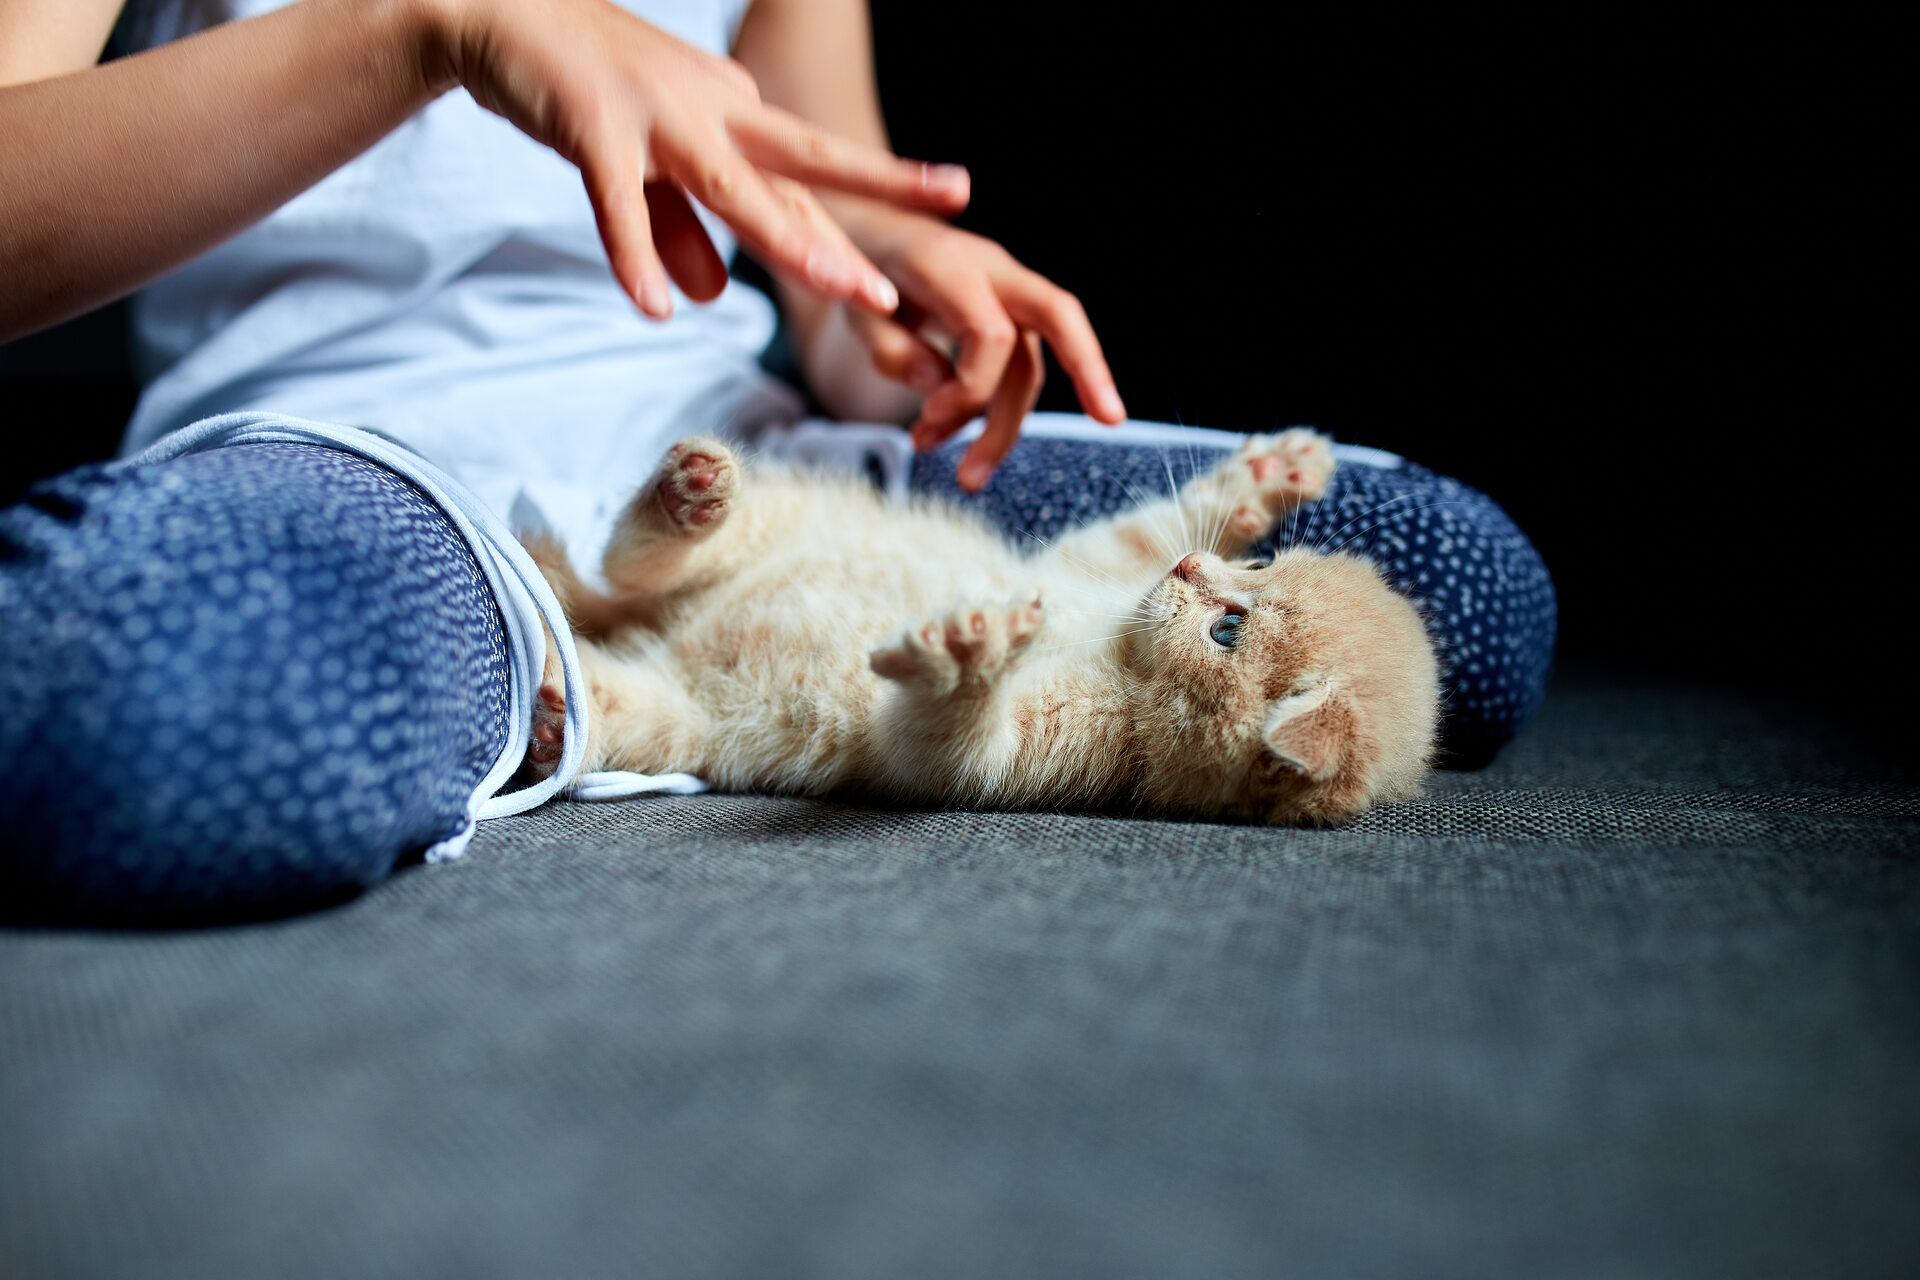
pixel 696 484
pixel 1271 475
pixel 964 651
pixel 1287 469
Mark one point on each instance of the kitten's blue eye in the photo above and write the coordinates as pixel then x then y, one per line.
pixel 1226 630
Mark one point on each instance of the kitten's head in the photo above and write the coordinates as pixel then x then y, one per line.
pixel 1297 691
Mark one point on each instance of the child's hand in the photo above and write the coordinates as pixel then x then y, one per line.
pixel 650 120
pixel 974 292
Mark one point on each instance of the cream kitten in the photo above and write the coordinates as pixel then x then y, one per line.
pixel 774 631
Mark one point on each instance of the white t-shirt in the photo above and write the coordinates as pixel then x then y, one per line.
pixel 449 290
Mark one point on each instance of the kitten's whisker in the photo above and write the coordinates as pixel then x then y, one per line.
pixel 1160 509
pixel 1129 601
pixel 1293 515
pixel 1223 511
pixel 1369 511
pixel 1179 507
pixel 1151 522
pixel 1213 526
pixel 1313 518
pixel 1118 595
pixel 1222 515
pixel 1129 606
pixel 1074 644
pixel 1313 514
pixel 1051 545
pixel 1095 613
pixel 1222 519
pixel 1450 502
pixel 1151 516
pixel 1084 564
pixel 1219 523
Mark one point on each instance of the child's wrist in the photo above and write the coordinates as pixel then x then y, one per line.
pixel 434 33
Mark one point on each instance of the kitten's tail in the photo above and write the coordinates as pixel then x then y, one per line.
pixel 551 558
pixel 592 614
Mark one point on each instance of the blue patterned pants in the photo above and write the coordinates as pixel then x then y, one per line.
pixel 240 683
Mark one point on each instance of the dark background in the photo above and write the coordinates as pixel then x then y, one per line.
pixel 1626 281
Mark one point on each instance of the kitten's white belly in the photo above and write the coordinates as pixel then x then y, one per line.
pixel 778 656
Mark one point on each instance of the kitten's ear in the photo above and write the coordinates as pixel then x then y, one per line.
pixel 1310 732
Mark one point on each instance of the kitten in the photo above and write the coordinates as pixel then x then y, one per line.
pixel 754 636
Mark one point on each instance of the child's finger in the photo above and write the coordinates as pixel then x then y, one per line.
pixel 899 354
pixel 786 144
pixel 614 171
pixel 1038 303
pixel 1013 400
pixel 683 245
pixel 774 224
pixel 876 294
pixel 966 305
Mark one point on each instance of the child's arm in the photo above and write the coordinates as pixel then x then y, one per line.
pixel 111 175
pixel 38 40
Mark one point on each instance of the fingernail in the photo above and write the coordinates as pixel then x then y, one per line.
pixel 1110 404
pixel 924 375
pixel 946 177
pixel 973 475
pixel 881 292
pixel 655 299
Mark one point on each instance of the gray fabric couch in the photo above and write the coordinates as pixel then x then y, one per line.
pixel 1640 999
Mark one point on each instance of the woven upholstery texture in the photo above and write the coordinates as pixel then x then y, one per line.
pixel 1642 998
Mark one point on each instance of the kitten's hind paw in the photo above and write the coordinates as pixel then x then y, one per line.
pixel 963 652
pixel 696 484
pixel 547 741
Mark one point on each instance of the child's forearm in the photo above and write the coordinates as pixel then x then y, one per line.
pixel 112 175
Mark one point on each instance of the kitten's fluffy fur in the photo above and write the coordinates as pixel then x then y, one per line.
pixel 774 631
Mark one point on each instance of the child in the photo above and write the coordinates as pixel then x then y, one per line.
pixel 270 647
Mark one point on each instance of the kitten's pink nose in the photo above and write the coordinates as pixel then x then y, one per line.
pixel 1189 567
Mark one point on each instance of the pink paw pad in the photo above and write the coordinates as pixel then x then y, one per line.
pixel 966 650
pixel 696 483
pixel 548 740
pixel 1289 468
pixel 1249 523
